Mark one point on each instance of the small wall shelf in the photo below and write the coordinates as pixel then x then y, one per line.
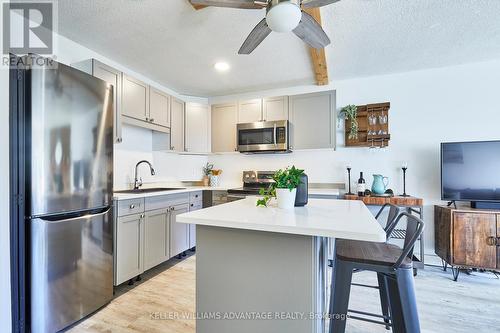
pixel 373 126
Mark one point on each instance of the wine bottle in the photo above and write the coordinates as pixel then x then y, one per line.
pixel 361 185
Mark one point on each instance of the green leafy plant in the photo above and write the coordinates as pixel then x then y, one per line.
pixel 266 194
pixel 350 112
pixel 207 169
pixel 288 178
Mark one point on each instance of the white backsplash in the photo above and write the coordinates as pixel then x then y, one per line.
pixel 169 167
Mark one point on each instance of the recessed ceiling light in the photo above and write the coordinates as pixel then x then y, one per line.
pixel 221 66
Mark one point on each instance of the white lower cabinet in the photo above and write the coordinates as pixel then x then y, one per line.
pixel 128 249
pixel 146 233
pixel 156 237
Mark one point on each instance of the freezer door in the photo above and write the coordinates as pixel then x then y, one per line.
pixel 70 155
pixel 71 268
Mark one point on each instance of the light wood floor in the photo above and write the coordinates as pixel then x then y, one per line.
pixel 470 305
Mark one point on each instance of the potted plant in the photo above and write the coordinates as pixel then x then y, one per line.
pixel 284 188
pixel 350 112
pixel 207 171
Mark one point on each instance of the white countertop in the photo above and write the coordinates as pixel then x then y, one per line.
pixel 186 189
pixel 349 219
pixel 182 189
pixel 324 191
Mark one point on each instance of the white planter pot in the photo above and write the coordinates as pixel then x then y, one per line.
pixel 214 181
pixel 286 198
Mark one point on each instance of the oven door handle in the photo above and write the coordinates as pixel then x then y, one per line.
pixel 274 135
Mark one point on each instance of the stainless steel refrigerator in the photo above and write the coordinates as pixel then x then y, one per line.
pixel 69 188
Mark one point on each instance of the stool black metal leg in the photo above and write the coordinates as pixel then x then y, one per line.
pixel 408 300
pixel 384 301
pixel 397 320
pixel 341 288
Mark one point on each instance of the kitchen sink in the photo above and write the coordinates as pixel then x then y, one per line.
pixel 149 190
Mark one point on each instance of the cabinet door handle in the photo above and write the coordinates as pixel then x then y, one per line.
pixel 147 119
pixel 132 206
pixel 192 205
pixel 492 241
pixel 152 120
pixel 172 148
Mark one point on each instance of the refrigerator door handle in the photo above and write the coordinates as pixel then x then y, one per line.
pixel 77 215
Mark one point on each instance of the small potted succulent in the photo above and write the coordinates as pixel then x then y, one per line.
pixel 207 171
pixel 284 188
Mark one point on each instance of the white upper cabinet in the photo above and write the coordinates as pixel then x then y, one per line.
pixel 111 76
pixel 159 107
pixel 135 98
pixel 197 133
pixel 312 120
pixel 250 111
pixel 177 125
pixel 224 119
pixel 275 108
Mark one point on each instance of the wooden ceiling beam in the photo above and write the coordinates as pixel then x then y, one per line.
pixel 318 56
pixel 197 7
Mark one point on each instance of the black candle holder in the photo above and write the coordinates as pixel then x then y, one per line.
pixel 404 182
pixel 349 181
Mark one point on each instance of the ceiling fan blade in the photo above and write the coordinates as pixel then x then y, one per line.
pixel 317 3
pixel 311 32
pixel 258 34
pixel 244 4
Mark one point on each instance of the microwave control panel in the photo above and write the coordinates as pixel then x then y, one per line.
pixel 281 135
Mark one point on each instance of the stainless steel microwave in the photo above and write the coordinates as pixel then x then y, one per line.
pixel 263 137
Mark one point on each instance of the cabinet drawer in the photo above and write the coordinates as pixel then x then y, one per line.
pixel 130 206
pixel 163 201
pixel 195 197
pixel 195 206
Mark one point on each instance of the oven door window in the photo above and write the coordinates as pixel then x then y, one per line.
pixel 261 136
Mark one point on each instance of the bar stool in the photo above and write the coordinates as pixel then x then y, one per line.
pixel 394 268
pixel 393 213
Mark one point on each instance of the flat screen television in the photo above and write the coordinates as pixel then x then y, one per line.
pixel 470 171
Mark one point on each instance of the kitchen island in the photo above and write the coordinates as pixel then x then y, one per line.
pixel 264 269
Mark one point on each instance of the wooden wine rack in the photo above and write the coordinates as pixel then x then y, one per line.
pixel 369 135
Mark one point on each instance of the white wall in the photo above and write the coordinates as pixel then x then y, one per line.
pixel 457 103
pixel 169 167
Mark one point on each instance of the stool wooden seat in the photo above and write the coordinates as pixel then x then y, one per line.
pixel 383 254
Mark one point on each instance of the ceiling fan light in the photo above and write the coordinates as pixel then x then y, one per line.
pixel 283 17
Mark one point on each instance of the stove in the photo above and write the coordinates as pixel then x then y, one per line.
pixel 253 181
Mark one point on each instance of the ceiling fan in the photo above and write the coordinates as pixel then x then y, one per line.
pixel 281 16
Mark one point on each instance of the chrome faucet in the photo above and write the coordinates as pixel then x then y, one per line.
pixel 138 181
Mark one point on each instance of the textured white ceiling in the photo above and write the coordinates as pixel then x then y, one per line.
pixel 177 46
